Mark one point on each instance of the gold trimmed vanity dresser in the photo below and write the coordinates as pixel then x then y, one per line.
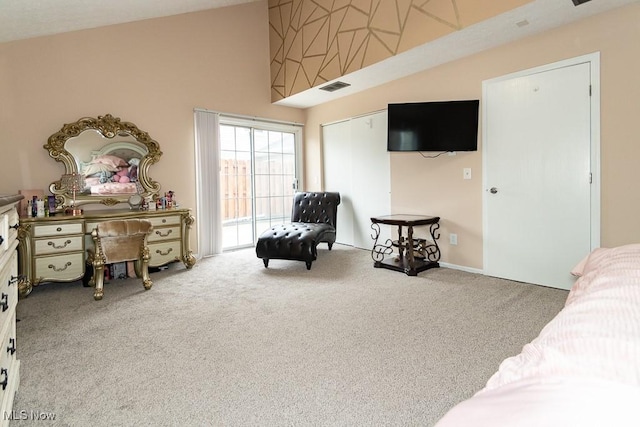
pixel 9 364
pixel 53 249
pixel 106 163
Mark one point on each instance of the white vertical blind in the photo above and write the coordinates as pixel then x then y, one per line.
pixel 207 149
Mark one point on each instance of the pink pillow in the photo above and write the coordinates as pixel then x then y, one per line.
pixel 590 262
pixel 108 159
pixel 594 260
pixel 95 168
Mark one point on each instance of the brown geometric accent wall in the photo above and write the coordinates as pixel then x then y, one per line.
pixel 315 41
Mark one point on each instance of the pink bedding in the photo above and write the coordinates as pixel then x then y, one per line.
pixel 557 402
pixel 584 367
pixel 114 188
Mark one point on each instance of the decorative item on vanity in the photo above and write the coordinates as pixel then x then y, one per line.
pixel 72 182
pixel 167 202
pixel 40 208
pixel 26 204
pixel 136 201
pixel 52 205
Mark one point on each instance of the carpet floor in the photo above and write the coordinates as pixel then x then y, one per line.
pixel 231 343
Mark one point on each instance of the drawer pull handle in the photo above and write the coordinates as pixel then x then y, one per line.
pixel 159 233
pixel 158 251
pixel 15 227
pixel 14 279
pixel 4 382
pixel 11 348
pixel 164 221
pixel 1 239
pixel 59 229
pixel 60 269
pixel 53 244
pixel 4 301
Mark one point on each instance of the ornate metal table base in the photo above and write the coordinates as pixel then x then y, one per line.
pixel 413 254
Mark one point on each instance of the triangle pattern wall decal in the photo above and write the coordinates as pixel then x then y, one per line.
pixel 316 41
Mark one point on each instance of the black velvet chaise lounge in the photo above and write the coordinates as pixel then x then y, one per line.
pixel 313 220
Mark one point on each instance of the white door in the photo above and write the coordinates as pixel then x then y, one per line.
pixel 538 174
pixel 357 164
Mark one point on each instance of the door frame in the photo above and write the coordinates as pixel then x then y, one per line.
pixel 253 123
pixel 594 60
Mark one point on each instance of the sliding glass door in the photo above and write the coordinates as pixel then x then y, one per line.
pixel 258 175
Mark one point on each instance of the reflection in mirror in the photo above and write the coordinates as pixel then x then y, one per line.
pixel 113 158
pixel 112 168
pixel 83 146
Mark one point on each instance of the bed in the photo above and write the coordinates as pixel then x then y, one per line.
pixel 584 367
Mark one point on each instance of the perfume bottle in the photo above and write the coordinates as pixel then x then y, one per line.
pixel 52 205
pixel 40 208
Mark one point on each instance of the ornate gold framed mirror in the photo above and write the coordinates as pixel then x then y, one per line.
pixel 112 158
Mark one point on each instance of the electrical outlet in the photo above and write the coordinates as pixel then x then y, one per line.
pixel 453 239
pixel 466 173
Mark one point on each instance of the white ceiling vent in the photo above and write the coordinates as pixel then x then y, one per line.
pixel 335 86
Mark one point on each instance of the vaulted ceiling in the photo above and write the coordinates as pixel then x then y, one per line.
pixel 315 41
pixel 452 33
pixel 462 39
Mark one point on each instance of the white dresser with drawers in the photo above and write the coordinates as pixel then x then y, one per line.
pixel 9 364
pixel 53 249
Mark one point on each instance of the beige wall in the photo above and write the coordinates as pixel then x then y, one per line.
pixel 155 72
pixel 152 73
pixel 435 186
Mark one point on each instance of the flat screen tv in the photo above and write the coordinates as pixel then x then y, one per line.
pixel 433 126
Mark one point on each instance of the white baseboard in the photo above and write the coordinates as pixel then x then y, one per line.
pixel 462 268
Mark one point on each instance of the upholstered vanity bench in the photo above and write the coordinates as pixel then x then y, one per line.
pixel 313 220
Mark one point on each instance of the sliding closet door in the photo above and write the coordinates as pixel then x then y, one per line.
pixel 356 163
pixel 337 175
pixel 370 170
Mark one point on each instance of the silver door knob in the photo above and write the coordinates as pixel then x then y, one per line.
pixel 493 190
